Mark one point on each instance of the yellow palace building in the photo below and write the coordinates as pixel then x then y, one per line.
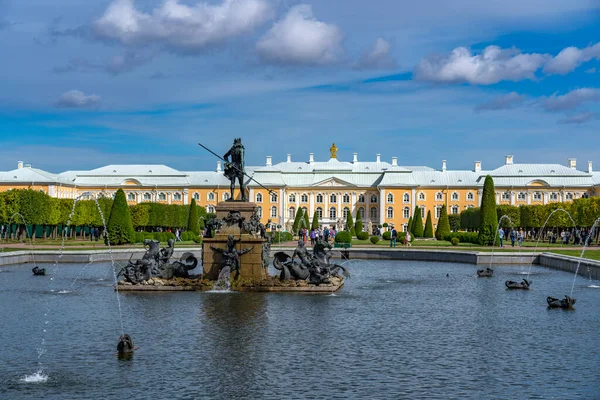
pixel 380 191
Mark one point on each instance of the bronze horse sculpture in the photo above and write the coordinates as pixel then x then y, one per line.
pixel 518 285
pixel 566 303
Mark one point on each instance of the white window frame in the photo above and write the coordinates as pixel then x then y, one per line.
pixel 455 210
pixel 439 196
pixel 273 211
pixel 361 198
pixel 259 197
pixel 273 197
pixel 196 196
pixel 292 212
pixel 422 196
pixel 373 198
pixel 177 196
pixel 333 198
pixel 162 196
pixel 131 196
pixel 406 212
pixel 304 198
pixel 390 212
pixel 319 198
pixel 292 198
pixel 455 196
pixel 332 213
pixel 345 212
pixel 210 196
pixel 470 196
pixel 319 212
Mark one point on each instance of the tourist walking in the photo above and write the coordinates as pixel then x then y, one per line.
pixel 520 237
pixel 393 237
pixel 407 239
pixel 513 237
pixel 501 236
pixel 92 233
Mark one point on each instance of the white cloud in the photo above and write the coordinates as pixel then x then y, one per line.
pixel 76 99
pixel 570 100
pixel 492 66
pixel 570 58
pixel 299 38
pixel 503 102
pixel 180 27
pixel 578 118
pixel 378 57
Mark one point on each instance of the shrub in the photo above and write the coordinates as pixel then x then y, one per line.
pixel 120 227
pixel 138 237
pixel 385 225
pixel 358 225
pixel 455 241
pixel 343 237
pixel 362 235
pixel 374 239
pixel 428 232
pixel 387 235
pixel 443 227
pixel 488 217
pixel 193 218
pixel 197 239
pixel 417 229
pixel 148 235
pixel 279 237
pixel 297 220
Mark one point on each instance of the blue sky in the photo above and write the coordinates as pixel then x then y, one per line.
pixel 85 84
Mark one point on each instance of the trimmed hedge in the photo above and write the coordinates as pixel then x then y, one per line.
pixel 362 235
pixel 343 237
pixel 374 239
pixel 279 237
pixel 454 241
pixel 464 237
pixel 387 235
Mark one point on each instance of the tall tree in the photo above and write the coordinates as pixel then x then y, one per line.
pixel 193 218
pixel 488 220
pixel 297 221
pixel 120 227
pixel 350 224
pixel 358 225
pixel 306 220
pixel 443 227
pixel 410 224
pixel 417 223
pixel 428 233
pixel 315 221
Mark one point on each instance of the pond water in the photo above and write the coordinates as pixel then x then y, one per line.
pixel 395 330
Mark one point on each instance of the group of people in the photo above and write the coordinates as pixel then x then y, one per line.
pixel 575 236
pixel 323 233
pixel 394 237
pixel 516 236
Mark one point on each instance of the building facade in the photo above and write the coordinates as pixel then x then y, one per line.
pixel 382 192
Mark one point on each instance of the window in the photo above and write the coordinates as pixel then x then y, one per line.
pixel 454 210
pixel 537 196
pixel 259 211
pixel 346 212
pixel 258 197
pixel 390 212
pixel 455 196
pixel 210 209
pixel 346 198
pixel 319 213
pixel 470 196
pixel 130 196
pixel 273 197
pixel 506 196
pixel 304 198
pixel 406 198
pixel 162 196
pixel 177 196
pixel 332 213
pixel 423 212
pixel 361 198
pixel 553 196
pixel 292 198
pixel 522 196
pixel 569 196
pixel 438 212
pixel 147 196
pixel 439 196
pixel 273 212
pixel 292 212
pixel 225 196
pixel 319 198
pixel 405 228
pixel 390 198
pixel 373 214
pixel 406 213
pixel 304 210
pixel 585 196
pixel 421 196
pixel 211 196
pixel 333 198
pixel 196 196
pixel 361 212
pixel 373 198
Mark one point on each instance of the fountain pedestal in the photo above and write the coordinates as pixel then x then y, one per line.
pixel 251 264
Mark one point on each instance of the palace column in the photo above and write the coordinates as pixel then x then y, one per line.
pixel 311 204
pixel 479 196
pixel 368 208
pixel 353 204
pixel 186 196
pixel 282 203
pixel 326 206
pixel 512 198
pixel 381 206
pixel 251 194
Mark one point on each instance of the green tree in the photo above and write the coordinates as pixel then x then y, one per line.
pixel 297 221
pixel 350 225
pixel 511 212
pixel 454 221
pixel 315 221
pixel 358 225
pixel 410 224
pixel 417 223
pixel 193 219
pixel 306 221
pixel 469 219
pixel 34 207
pixel 120 227
pixel 140 215
pixel 428 232
pixel 489 218
pixel 443 228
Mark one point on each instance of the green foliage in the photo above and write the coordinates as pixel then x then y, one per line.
pixel 358 225
pixel 138 237
pixel 586 210
pixel 34 206
pixel 454 221
pixel 306 221
pixel 120 227
pixel 385 225
pixel 193 218
pixel 362 235
pixel 315 221
pixel 297 220
pixel 343 237
pixel 454 241
pixel 469 219
pixel 489 218
pixel 428 232
pixel 279 237
pixel 463 237
pixel 443 227
pixel 387 235
pixel 511 212
pixel 417 223
pixel 374 239
pixel 410 223
pixel 140 215
pixel 350 224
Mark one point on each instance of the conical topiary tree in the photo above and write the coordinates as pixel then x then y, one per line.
pixel 315 221
pixel 428 233
pixel 410 224
pixel 297 220
pixel 488 218
pixel 443 228
pixel 350 225
pixel 120 227
pixel 358 225
pixel 306 221
pixel 417 224
pixel 192 225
